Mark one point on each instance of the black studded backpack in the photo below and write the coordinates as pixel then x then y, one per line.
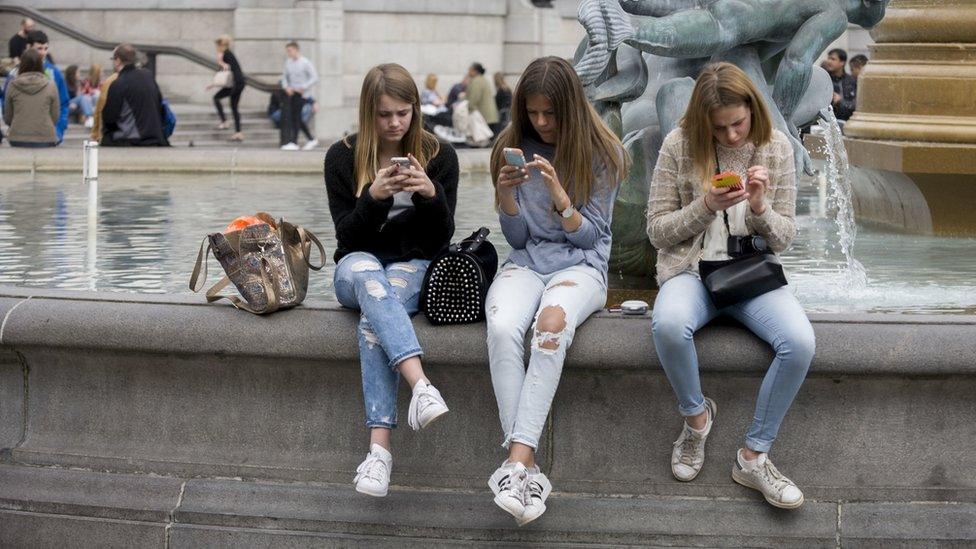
pixel 457 281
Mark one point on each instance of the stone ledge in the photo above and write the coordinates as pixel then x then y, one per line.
pixel 321 330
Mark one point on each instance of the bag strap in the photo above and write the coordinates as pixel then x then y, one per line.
pixel 307 237
pixel 475 242
pixel 270 294
pixel 202 257
pixel 718 170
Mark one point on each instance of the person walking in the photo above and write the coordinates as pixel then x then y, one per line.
pixel 228 62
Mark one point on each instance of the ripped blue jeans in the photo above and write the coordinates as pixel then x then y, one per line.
pixel 386 296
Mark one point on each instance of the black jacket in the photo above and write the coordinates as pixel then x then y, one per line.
pixel 134 113
pixel 361 222
pixel 846 86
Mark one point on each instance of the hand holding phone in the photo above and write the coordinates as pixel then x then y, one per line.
pixel 727 179
pixel 514 157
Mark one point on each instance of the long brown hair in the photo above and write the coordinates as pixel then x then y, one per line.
pixel 582 137
pixel 395 81
pixel 721 85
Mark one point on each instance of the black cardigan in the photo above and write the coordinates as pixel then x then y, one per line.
pixel 361 224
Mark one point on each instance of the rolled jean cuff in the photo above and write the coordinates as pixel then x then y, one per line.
pixel 758 445
pixel 521 439
pixel 395 361
pixel 688 412
pixel 371 424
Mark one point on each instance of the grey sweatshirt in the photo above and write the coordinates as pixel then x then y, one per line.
pixel 536 234
pixel 299 73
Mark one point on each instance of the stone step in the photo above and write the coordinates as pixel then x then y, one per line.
pixel 58 507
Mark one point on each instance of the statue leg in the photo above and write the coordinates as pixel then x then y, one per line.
pixel 671 102
pixel 793 75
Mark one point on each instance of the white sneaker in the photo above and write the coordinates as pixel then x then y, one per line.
pixel 290 147
pixel 762 475
pixel 426 405
pixel 537 489
pixel 688 454
pixel 89 122
pixel 310 145
pixel 508 483
pixel 373 474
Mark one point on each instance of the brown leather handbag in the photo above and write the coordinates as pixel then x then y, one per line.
pixel 267 262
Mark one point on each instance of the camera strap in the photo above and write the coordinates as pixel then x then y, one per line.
pixel 718 170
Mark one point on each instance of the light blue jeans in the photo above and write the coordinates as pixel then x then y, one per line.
pixel 83 103
pixel 683 306
pixel 515 300
pixel 386 296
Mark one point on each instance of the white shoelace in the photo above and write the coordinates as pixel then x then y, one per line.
pixel 515 482
pixel 772 477
pixel 690 447
pixel 374 468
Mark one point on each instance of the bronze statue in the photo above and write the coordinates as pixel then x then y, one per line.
pixel 639 62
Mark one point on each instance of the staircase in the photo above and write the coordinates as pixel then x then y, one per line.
pixel 196 127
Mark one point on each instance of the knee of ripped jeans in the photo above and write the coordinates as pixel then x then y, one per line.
pixel 375 289
pixel 549 330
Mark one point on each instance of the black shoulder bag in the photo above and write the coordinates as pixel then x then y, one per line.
pixel 457 281
pixel 752 270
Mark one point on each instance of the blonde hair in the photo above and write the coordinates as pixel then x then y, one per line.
pixel 95 74
pixel 582 137
pixel 431 82
pixel 721 85
pixel 223 42
pixel 395 81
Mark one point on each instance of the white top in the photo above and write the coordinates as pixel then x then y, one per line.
pixel 715 245
pixel 401 202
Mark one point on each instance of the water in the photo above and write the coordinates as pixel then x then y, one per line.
pixel 840 200
pixel 150 227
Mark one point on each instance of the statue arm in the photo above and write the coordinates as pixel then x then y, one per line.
pixel 657 8
pixel 793 75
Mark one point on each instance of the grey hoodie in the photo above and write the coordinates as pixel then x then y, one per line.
pixel 32 109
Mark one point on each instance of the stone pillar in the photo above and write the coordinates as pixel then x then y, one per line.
pixel 334 117
pixel 916 113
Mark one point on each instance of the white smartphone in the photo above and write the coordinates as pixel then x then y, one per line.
pixel 401 161
pixel 514 157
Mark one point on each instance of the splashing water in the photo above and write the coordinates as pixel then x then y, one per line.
pixel 840 200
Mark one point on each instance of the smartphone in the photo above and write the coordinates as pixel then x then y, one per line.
pixel 514 157
pixel 726 179
pixel 401 161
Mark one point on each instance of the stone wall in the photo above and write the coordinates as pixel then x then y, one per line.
pixel 343 38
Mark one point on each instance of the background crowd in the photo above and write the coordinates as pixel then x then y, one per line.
pixel 474 111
